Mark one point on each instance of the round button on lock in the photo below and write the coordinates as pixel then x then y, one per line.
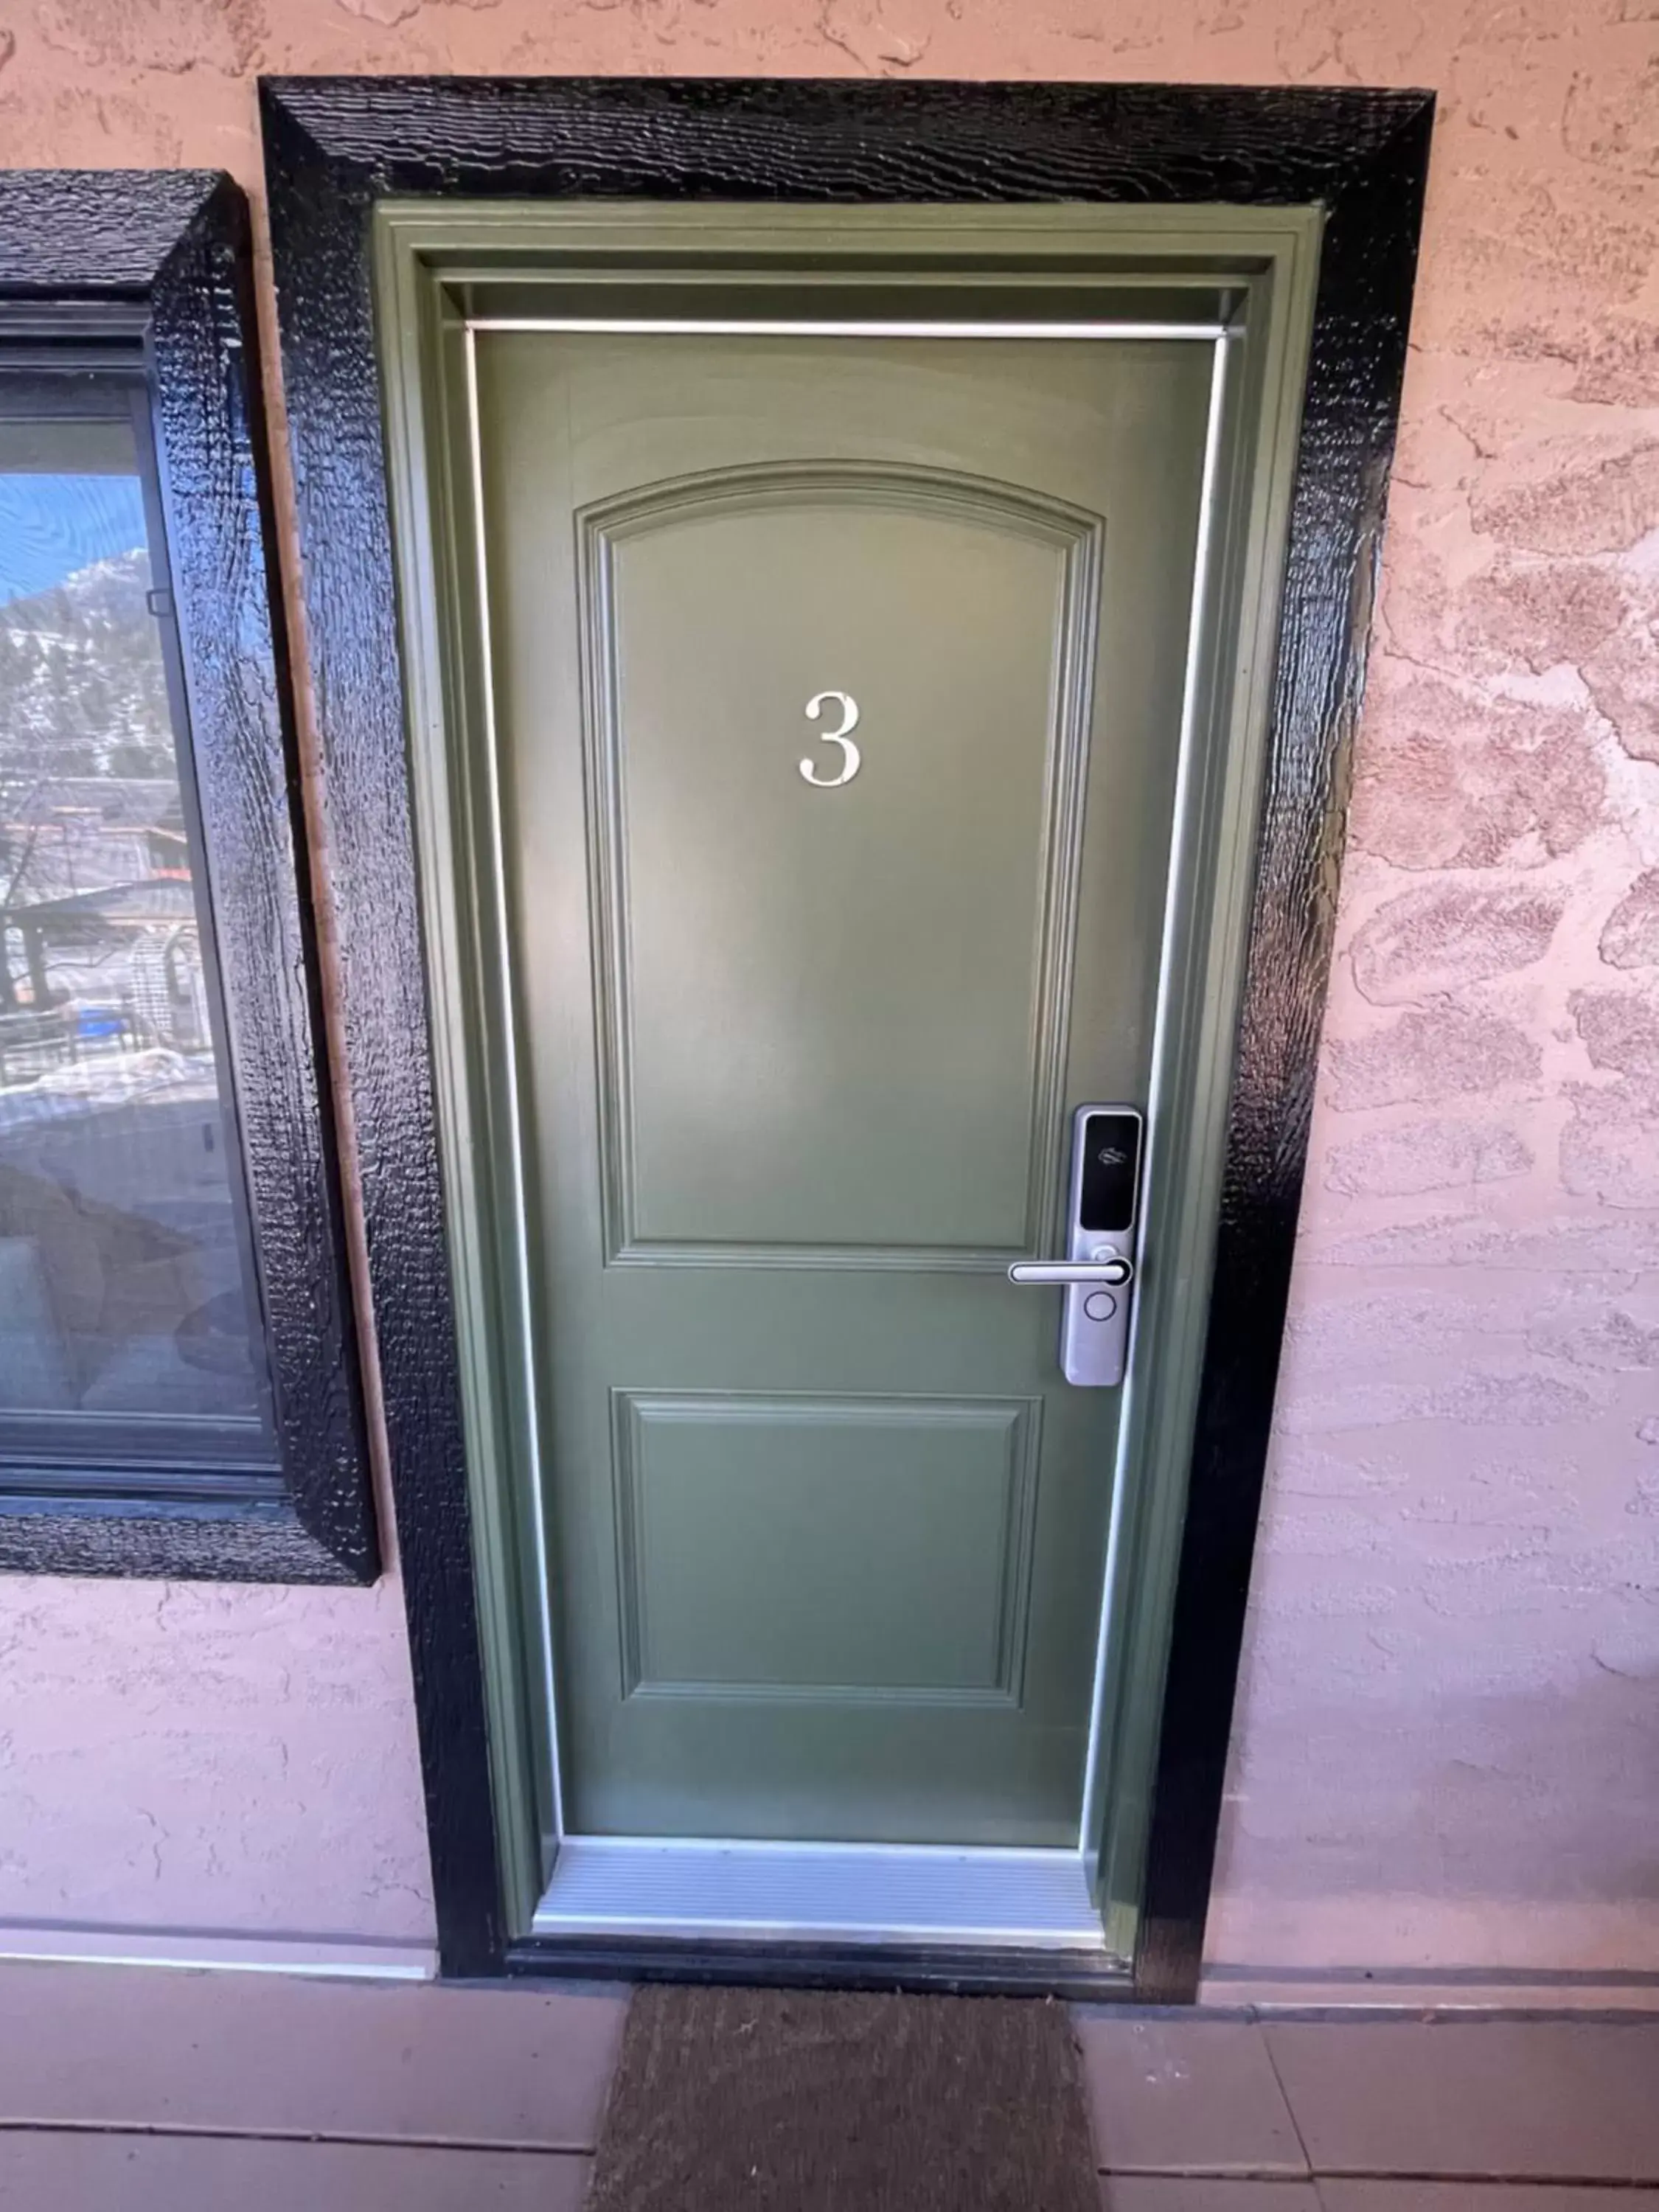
pixel 1100 1305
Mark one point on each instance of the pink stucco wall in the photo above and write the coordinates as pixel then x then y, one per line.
pixel 1445 1749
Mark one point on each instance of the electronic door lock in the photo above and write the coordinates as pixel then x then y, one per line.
pixel 1096 1275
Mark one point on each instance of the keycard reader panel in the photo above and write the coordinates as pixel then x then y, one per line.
pixel 1097 1277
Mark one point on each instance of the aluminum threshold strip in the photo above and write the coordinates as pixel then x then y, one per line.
pixel 687 326
pixel 707 1891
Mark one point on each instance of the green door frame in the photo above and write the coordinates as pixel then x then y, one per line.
pixel 337 147
pixel 443 268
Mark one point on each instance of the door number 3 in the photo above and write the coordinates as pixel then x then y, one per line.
pixel 842 737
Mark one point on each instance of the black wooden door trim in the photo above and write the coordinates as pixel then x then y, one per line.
pixel 333 147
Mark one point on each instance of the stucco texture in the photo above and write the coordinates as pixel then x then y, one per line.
pixel 206 1758
pixel 1445 1750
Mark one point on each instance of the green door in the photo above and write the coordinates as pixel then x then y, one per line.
pixel 837 687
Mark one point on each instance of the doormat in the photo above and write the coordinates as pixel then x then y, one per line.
pixel 781 2100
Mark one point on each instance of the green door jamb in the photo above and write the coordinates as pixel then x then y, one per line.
pixel 437 261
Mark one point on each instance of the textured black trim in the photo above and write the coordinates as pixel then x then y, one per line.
pixel 231 1539
pixel 1350 416
pixel 163 258
pixel 1081 1976
pixel 333 145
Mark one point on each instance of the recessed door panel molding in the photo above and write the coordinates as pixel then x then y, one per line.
pixel 964 612
pixel 889 1539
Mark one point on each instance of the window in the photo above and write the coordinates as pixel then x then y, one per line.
pixel 178 1383
pixel 129 1331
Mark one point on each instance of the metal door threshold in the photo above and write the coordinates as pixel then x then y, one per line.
pixel 709 1891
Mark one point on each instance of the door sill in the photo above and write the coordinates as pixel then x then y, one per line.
pixel 683 1889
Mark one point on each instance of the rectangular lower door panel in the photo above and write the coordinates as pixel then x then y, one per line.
pixel 824 1550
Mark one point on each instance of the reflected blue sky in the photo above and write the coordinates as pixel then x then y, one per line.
pixel 51 525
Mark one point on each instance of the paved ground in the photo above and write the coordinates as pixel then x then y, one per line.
pixel 123 2089
pixel 1397 2116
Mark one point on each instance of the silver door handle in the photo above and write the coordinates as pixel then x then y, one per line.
pixel 1114 1272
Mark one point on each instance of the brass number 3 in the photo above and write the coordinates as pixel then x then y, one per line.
pixel 842 737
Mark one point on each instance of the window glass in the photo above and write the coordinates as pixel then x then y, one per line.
pixel 125 1306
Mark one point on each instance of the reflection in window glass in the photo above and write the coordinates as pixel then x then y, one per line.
pixel 122 1272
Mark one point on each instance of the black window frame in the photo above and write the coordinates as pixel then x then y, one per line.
pixel 140 281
